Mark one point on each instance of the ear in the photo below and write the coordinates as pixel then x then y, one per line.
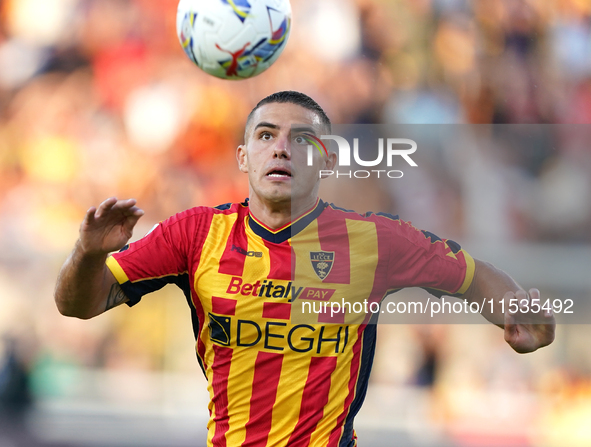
pixel 242 158
pixel 331 161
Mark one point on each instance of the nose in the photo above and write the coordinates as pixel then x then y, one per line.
pixel 283 148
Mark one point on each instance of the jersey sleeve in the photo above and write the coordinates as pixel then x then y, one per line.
pixel 159 258
pixel 419 258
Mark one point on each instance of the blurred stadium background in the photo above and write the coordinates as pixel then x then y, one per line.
pixel 97 99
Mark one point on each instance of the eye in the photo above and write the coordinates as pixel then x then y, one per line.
pixel 300 140
pixel 266 136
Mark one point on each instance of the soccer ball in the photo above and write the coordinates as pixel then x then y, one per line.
pixel 233 39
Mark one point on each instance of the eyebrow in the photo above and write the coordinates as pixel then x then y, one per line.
pixel 295 127
pixel 266 124
pixel 304 129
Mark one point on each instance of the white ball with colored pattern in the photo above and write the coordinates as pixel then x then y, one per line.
pixel 233 39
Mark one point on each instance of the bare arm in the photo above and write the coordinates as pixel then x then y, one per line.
pixel 524 331
pixel 85 286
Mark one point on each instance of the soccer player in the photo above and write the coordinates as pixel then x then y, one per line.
pixel 275 380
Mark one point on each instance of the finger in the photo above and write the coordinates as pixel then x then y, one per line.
pixel 548 311
pixel 508 317
pixel 127 203
pixel 105 206
pixel 133 211
pixel 510 329
pixel 116 207
pixel 89 216
pixel 536 305
pixel 124 205
pixel 130 222
pixel 133 215
pixel 522 300
pixel 535 297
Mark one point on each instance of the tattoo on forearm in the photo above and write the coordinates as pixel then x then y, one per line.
pixel 116 297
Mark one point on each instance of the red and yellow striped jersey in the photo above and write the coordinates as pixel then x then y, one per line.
pixel 280 374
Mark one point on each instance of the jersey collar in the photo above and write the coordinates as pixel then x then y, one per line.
pixel 287 231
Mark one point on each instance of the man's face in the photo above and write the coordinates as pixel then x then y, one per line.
pixel 275 154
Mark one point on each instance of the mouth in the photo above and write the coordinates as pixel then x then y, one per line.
pixel 279 173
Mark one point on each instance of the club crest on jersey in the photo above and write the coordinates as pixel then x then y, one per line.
pixel 322 262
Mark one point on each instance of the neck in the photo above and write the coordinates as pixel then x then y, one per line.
pixel 279 214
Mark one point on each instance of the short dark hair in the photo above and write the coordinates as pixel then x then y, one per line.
pixel 293 97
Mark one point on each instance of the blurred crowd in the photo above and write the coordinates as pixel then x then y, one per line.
pixel 97 99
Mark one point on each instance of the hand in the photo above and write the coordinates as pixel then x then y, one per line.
pixel 526 330
pixel 109 227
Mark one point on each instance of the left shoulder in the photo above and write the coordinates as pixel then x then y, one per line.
pixel 336 211
pixel 386 224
